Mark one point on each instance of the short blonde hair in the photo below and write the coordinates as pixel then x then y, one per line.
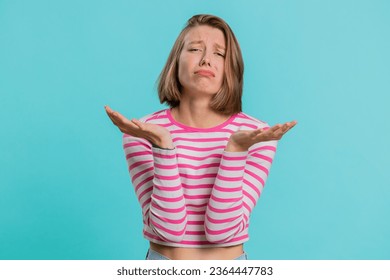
pixel 228 99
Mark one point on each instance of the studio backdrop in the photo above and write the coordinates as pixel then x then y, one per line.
pixel 65 191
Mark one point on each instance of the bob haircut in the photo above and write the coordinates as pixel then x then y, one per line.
pixel 228 99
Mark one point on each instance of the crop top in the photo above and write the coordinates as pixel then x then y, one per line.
pixel 198 194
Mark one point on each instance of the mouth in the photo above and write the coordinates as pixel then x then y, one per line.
pixel 205 73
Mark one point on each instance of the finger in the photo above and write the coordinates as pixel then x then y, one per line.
pixel 107 108
pixel 289 126
pixel 274 128
pixel 286 127
pixel 111 116
pixel 255 132
pixel 139 124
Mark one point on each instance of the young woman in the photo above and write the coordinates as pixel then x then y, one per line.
pixel 199 167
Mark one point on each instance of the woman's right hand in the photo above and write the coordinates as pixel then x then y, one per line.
pixel 155 134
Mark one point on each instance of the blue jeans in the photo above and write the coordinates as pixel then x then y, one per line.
pixel 153 255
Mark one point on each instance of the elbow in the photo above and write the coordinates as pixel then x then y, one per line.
pixel 220 236
pixel 169 232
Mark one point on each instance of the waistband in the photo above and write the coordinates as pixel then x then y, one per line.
pixel 153 255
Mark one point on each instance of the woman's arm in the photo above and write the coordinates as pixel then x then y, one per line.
pixel 240 181
pixel 155 176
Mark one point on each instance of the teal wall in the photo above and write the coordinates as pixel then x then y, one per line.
pixel 64 188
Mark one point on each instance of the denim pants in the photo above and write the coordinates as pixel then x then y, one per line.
pixel 153 255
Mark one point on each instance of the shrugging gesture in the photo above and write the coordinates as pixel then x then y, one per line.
pixel 155 134
pixel 241 140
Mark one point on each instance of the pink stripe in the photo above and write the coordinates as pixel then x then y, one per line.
pixel 168 210
pixel 140 184
pixel 225 200
pixel 239 238
pixel 199 186
pixel 204 149
pixel 195 223
pixel 245 116
pixel 225 157
pixel 135 176
pixel 156 116
pixel 217 210
pixel 146 202
pixel 189 166
pixel 195 232
pixel 247 207
pixel 190 242
pixel 148 234
pixel 252 186
pixel 229 179
pixel 171 221
pixel 138 163
pixel 222 221
pixel 221 231
pixel 199 196
pixel 165 166
pixel 258 178
pixel 270 148
pixel 223 189
pixel 201 139
pixel 196 212
pixel 162 177
pixel 136 154
pixel 196 205
pixel 199 158
pixel 248 195
pixel 167 199
pixel 144 192
pixel 169 188
pixel 167 230
pixel 136 139
pixel 258 166
pixel 179 131
pixel 244 124
pixel 156 154
pixel 135 144
pixel 262 157
pixel 212 175
pixel 232 168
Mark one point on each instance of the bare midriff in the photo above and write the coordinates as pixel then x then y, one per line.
pixel 209 253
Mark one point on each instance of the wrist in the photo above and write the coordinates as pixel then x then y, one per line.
pixel 163 144
pixel 162 147
pixel 235 148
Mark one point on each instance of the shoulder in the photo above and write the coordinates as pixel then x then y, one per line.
pixel 159 117
pixel 246 120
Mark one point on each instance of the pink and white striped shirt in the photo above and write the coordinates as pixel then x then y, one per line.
pixel 198 194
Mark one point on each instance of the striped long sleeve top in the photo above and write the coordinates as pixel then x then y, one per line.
pixel 198 194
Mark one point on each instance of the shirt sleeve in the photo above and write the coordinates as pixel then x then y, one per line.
pixel 238 185
pixel 155 176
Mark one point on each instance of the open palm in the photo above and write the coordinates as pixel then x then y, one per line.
pixel 241 140
pixel 156 134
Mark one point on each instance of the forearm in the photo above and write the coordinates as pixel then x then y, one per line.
pixel 155 176
pixel 167 211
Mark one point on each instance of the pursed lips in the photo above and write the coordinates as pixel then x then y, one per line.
pixel 205 73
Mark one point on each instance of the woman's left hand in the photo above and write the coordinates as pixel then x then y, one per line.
pixel 241 140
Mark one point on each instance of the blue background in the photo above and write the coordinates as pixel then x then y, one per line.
pixel 65 192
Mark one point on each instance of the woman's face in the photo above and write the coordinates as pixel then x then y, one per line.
pixel 202 60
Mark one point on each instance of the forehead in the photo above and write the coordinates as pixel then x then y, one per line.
pixel 205 34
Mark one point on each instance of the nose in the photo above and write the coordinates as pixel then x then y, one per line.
pixel 205 60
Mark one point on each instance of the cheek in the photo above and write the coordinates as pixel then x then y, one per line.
pixel 221 72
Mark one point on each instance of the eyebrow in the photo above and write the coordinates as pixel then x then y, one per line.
pixel 200 41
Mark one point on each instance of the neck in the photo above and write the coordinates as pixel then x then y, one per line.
pixel 195 112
